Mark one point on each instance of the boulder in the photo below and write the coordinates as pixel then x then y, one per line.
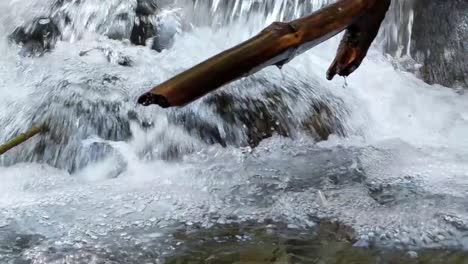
pixel 440 41
pixel 143 29
pixel 154 30
pixel 167 27
pixel 246 120
pixel 74 113
pixel 37 37
pixel 146 7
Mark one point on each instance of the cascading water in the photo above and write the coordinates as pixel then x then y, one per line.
pixel 113 181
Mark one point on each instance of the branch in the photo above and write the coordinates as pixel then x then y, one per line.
pixel 276 45
pixel 21 139
pixel 357 40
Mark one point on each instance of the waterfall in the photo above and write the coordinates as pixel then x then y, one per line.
pixel 78 21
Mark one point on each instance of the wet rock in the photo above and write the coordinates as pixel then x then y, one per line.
pixel 231 119
pixel 227 118
pixel 155 30
pixel 111 56
pixel 145 26
pixel 333 230
pixel 36 38
pixel 120 27
pixel 252 114
pixel 390 194
pixel 440 41
pixel 362 243
pixel 143 29
pixel 75 114
pixel 197 126
pixel 167 27
pixel 412 254
pixel 146 7
pixel 252 242
pixel 457 222
pixel 322 122
pixel 14 243
pixel 162 42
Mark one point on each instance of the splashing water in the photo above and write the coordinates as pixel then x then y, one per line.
pixel 101 180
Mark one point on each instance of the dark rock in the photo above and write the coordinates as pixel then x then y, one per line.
pixel 150 29
pixel 143 30
pixel 231 119
pixel 195 125
pixel 252 114
pixel 146 7
pixel 322 122
pixel 32 48
pixel 13 242
pixel 386 194
pixel 37 38
pixel 144 27
pixel 119 28
pixel 440 41
pixel 124 61
pixel 263 118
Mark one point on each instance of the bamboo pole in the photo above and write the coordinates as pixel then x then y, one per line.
pixel 21 138
pixel 276 45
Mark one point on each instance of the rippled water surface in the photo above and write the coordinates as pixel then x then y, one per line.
pixel 113 182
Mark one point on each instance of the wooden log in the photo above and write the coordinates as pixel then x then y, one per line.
pixel 357 40
pixel 21 138
pixel 275 45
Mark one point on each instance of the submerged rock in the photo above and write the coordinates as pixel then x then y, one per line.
pixel 270 242
pixel 36 38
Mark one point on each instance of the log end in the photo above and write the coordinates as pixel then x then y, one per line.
pixel 358 39
pixel 151 99
pixel 346 62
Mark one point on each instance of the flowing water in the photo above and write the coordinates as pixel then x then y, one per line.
pixel 114 182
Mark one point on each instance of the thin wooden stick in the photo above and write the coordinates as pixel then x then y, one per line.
pixel 276 45
pixel 21 139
